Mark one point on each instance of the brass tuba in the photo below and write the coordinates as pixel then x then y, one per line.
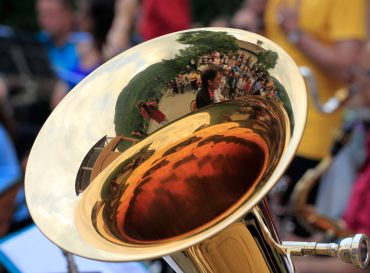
pixel 123 170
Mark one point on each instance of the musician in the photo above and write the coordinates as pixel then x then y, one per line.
pixel 328 45
pixel 211 78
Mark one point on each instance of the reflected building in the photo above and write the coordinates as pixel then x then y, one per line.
pixel 103 153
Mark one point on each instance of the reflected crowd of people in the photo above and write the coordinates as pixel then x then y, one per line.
pixel 240 74
pixel 79 36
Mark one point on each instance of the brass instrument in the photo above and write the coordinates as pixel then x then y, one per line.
pixel 306 214
pixel 335 102
pixel 191 187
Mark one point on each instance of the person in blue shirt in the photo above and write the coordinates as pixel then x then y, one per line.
pixel 10 171
pixel 68 50
pixel 56 21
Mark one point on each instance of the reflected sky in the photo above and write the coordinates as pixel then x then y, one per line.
pixel 82 118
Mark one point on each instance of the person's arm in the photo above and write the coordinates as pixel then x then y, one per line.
pixel 249 15
pixel 59 92
pixel 335 60
pixel 118 38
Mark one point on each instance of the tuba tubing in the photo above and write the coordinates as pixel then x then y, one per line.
pixel 335 102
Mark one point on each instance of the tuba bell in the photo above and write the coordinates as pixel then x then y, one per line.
pixel 123 170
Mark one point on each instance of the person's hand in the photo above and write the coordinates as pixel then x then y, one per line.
pixel 245 19
pixel 118 37
pixel 3 90
pixel 287 18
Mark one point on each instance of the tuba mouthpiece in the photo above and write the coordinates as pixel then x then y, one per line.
pixel 353 250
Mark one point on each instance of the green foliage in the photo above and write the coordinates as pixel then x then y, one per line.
pixel 200 43
pixel 18 14
pixel 204 12
pixel 151 82
pixel 268 58
pixel 145 85
pixel 203 41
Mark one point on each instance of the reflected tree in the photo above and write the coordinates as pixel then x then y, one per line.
pixel 145 85
pixel 268 58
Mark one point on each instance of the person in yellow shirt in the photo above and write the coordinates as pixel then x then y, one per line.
pixel 325 36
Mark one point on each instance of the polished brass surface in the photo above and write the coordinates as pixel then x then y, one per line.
pixel 193 181
pixel 353 250
pixel 249 245
pixel 223 138
pixel 305 213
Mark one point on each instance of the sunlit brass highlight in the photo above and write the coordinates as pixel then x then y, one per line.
pixel 353 250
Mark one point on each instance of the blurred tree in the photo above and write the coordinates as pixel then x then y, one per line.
pixel 203 42
pixel 18 14
pixel 268 58
pixel 204 12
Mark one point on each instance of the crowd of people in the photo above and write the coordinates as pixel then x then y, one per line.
pixel 239 74
pixel 329 37
pixel 235 74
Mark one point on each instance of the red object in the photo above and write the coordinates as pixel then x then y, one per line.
pixel 156 115
pixel 357 214
pixel 149 110
pixel 161 17
pixel 144 114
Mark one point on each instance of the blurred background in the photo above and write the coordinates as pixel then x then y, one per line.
pixel 48 46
